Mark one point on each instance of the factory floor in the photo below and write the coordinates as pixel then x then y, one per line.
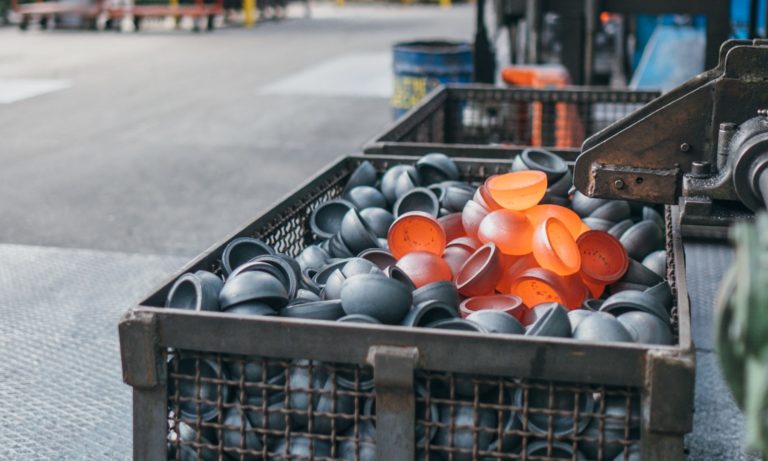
pixel 124 155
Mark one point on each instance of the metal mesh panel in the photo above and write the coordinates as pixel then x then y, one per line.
pixel 243 408
pixel 291 234
pixel 552 118
pixel 470 418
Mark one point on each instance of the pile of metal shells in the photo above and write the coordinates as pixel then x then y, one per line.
pixel 349 275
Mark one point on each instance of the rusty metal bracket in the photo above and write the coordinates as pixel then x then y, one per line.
pixel 142 365
pixel 704 142
pixel 629 182
pixel 395 401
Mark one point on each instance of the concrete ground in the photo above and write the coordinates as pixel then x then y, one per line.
pixel 124 155
pixel 164 132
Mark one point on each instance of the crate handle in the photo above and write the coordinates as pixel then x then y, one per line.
pixel 395 402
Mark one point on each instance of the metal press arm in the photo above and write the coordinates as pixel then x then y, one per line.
pixel 701 144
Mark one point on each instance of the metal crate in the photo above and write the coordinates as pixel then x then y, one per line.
pixel 481 121
pixel 387 392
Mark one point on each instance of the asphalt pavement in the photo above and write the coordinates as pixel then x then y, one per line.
pixel 166 140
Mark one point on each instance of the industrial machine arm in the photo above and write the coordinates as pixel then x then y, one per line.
pixel 703 145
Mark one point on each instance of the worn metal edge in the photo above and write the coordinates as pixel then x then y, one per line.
pixel 470 151
pixel 557 359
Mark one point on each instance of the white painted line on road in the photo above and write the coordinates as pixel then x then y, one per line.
pixel 359 75
pixel 13 90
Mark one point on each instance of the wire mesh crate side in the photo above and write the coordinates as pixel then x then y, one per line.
pixel 519 419
pixel 428 113
pixel 257 408
pixel 542 403
pixel 554 119
pixel 481 116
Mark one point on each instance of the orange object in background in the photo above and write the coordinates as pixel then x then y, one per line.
pixel 416 231
pixel 518 190
pixel 510 230
pixel 565 124
pixel 555 249
pixel 536 76
pixel 424 268
pixel 604 259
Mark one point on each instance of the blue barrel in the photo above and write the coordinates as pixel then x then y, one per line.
pixel 421 66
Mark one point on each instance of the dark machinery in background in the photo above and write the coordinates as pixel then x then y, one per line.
pixel 510 15
pixel 5 6
pixel 484 57
pixel 573 30
pixel 703 145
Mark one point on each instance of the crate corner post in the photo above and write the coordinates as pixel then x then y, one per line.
pixel 144 371
pixel 667 409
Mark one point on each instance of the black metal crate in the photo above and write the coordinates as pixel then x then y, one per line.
pixel 483 121
pixel 220 386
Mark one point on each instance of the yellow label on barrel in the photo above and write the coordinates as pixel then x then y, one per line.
pixel 410 90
